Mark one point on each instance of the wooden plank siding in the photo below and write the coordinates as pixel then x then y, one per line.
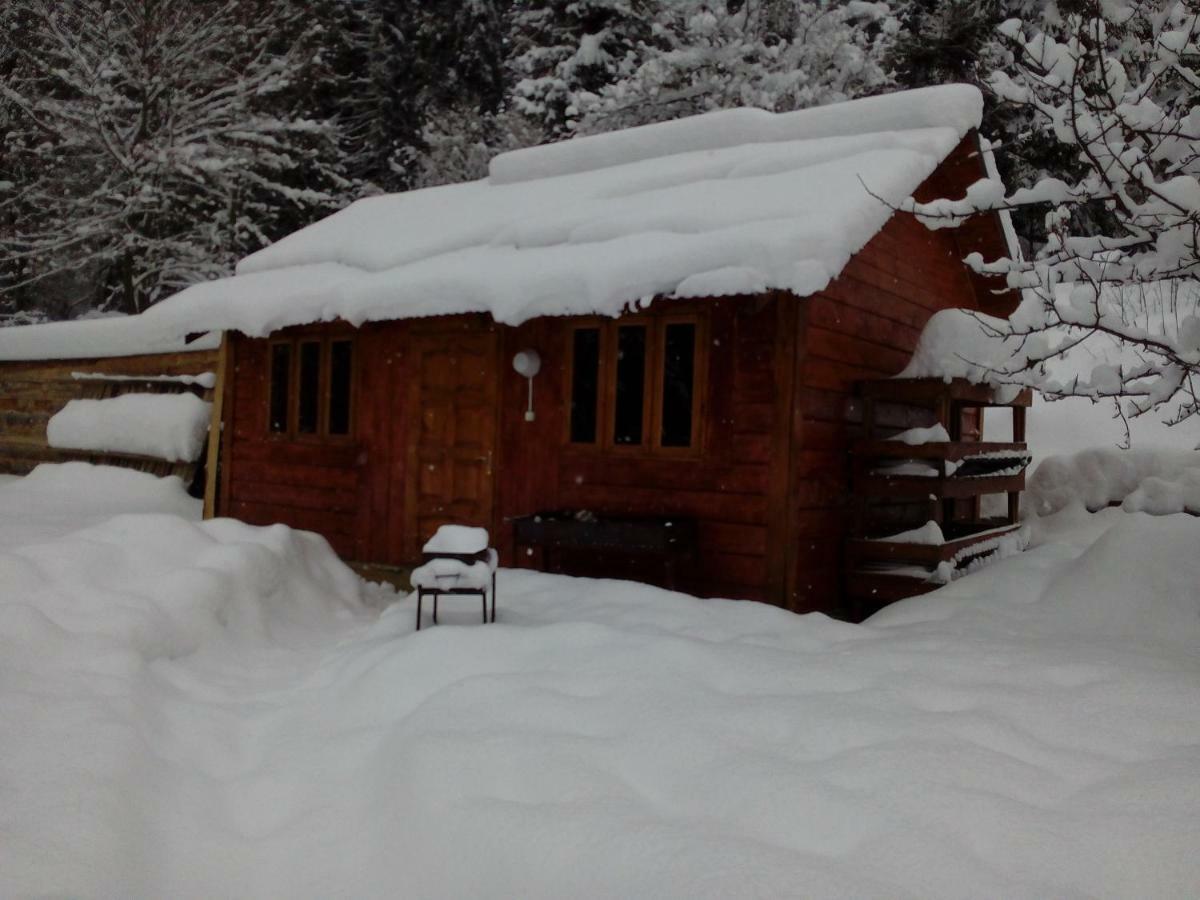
pixel 353 492
pixel 866 324
pixel 724 486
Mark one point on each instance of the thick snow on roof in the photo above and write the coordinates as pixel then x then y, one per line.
pixel 725 203
pixel 97 338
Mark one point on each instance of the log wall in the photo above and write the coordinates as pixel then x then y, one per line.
pixel 32 392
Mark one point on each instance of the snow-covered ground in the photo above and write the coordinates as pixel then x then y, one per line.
pixel 209 709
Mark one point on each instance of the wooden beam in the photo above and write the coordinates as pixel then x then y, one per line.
pixel 779 531
pixel 214 430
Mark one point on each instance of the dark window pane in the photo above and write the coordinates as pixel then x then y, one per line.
pixel 679 369
pixel 585 385
pixel 310 387
pixel 281 370
pixel 340 357
pixel 631 383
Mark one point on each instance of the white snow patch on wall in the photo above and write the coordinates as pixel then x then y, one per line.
pixel 166 426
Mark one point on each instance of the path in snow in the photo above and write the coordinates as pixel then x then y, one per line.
pixel 209 711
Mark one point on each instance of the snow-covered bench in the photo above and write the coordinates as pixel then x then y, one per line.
pixel 457 561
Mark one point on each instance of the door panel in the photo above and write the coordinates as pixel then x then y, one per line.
pixel 452 449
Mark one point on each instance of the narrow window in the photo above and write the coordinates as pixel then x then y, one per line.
pixel 281 371
pixel 585 385
pixel 340 359
pixel 678 387
pixel 630 399
pixel 310 387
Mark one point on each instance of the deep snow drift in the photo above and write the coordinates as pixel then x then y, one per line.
pixel 200 710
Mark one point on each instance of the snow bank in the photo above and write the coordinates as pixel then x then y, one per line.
pixel 1156 481
pixel 166 426
pixel 724 202
pixel 55 499
pixel 160 586
pixel 203 712
pixel 1139 582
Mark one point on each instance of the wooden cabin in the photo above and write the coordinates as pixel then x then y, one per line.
pixel 725 415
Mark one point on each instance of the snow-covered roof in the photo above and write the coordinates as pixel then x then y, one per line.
pixel 730 202
pixel 97 338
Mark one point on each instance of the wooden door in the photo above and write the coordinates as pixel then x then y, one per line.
pixel 452 402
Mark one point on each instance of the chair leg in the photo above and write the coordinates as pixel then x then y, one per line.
pixel 493 596
pixel 420 596
pixel 435 604
pixel 483 602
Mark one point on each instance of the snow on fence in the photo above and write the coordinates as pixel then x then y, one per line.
pixel 165 426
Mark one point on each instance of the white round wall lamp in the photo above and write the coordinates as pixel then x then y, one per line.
pixel 528 363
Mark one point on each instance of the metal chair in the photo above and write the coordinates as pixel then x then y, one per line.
pixel 456 574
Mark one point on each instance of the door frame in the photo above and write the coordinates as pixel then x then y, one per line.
pixel 443 327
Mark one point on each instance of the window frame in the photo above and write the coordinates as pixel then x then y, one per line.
pixel 699 367
pixel 653 387
pixel 322 435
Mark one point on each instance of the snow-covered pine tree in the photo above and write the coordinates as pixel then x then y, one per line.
pixel 433 83
pixel 1117 84
pixel 153 143
pixel 958 41
pixel 774 54
pixel 562 49
pixel 465 119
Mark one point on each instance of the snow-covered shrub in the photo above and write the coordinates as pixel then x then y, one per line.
pixel 1142 480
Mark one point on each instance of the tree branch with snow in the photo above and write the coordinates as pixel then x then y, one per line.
pixel 1116 83
pixel 150 145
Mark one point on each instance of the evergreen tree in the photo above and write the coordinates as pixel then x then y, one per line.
pixel 155 143
pixel 433 72
pixel 947 41
pixel 562 49
pixel 779 55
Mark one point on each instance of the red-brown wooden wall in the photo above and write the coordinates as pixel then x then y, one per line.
pixel 866 324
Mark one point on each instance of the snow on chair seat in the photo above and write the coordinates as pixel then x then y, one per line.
pixel 456 539
pixel 457 561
